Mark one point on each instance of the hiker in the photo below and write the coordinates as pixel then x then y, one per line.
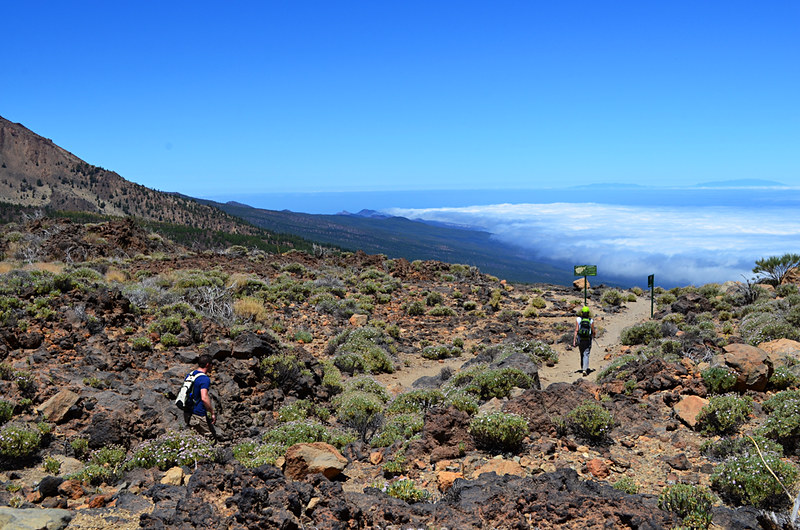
pixel 202 418
pixel 584 330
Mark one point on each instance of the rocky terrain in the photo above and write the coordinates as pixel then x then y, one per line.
pixel 355 391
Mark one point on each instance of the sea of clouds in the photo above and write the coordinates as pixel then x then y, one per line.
pixel 680 245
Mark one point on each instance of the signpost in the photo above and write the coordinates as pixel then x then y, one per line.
pixel 651 284
pixel 585 270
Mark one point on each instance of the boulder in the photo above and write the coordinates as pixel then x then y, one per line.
pixel 358 320
pixel 173 477
pixel 688 408
pixel 34 518
pixel 57 407
pixel 318 457
pixel 445 479
pixel 598 468
pixel 782 352
pixel 500 466
pixel 691 303
pixel 580 284
pixel 750 363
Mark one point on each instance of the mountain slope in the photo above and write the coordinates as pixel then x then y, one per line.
pixel 401 237
pixel 35 173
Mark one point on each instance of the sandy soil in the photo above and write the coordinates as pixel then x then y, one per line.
pixel 605 347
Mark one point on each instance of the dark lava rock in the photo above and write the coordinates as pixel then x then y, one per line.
pixel 540 406
pixel 445 435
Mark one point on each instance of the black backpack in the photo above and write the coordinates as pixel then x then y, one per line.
pixel 185 399
pixel 585 328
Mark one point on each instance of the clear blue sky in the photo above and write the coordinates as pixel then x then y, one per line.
pixel 207 98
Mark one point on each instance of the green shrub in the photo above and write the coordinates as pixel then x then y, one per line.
pixel 6 411
pixel 783 378
pixel 252 455
pixel 171 449
pixel 168 340
pixel 777 400
pixel 469 305
pixel 745 480
pixel 499 431
pixel 111 456
pixel 440 352
pixel 495 298
pixel 617 367
pixel 80 447
pixel 414 309
pixel 303 336
pixel 537 302
pixel 463 401
pixel 297 432
pixel 434 299
pixel 724 414
pixel 331 377
pixel 767 325
pixel 627 485
pixel 442 311
pixel 141 344
pixel 95 382
pixel 283 370
pixel 486 384
pixel 399 427
pixel 783 424
pixel 19 441
pixel 368 385
pixel 730 447
pixel 25 381
pixel 406 490
pixel 93 474
pixel 51 466
pixel 691 503
pixel 360 411
pixel 415 401
pixel 641 333
pixel 719 379
pixel 590 421
pixel 296 411
pixel 168 324
pixel 612 297
pixel 367 349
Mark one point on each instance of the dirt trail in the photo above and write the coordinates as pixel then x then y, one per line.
pixel 609 326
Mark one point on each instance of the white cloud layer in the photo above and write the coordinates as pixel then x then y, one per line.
pixel 680 245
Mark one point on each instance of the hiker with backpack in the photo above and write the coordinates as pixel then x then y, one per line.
pixel 195 401
pixel 584 333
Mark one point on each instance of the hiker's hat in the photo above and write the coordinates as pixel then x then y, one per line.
pixel 585 309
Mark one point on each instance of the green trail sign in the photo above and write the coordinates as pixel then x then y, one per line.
pixel 651 283
pixel 585 270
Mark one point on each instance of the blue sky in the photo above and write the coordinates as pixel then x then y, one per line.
pixel 209 98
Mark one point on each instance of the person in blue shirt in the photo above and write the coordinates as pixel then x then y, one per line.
pixel 202 417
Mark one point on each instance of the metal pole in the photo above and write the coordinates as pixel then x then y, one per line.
pixel 585 288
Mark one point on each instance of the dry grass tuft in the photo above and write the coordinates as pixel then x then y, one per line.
pixel 249 308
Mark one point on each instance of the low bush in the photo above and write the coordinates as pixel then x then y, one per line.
pixel 641 333
pixel 252 454
pixel 415 401
pixel 612 297
pixel 499 431
pixel 735 446
pixel 283 370
pixel 19 441
pixel 783 378
pixel 141 344
pixel 775 401
pixel 399 427
pixel 406 490
pixel 184 448
pixel 486 384
pixel 590 421
pixel 6 411
pixel 783 424
pixel 745 479
pixel 414 309
pixel 724 414
pixel 440 352
pixel 80 447
pixel 442 311
pixel 363 349
pixel 719 379
pixel 691 503
pixel 627 485
pixel 462 401
pixel 360 411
